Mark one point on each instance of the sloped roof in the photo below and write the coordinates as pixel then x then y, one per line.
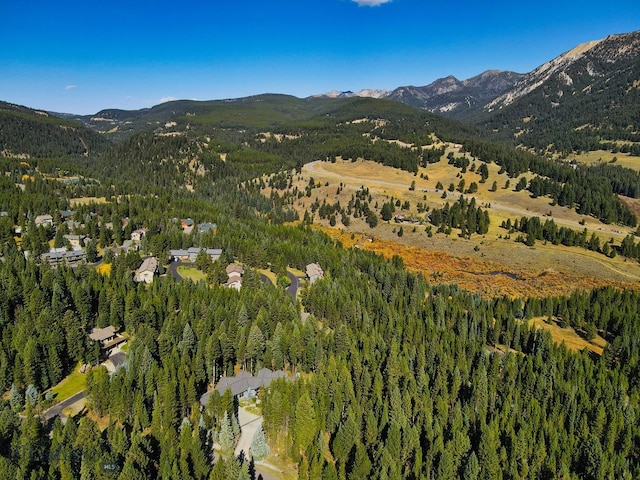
pixel 243 381
pixel 100 334
pixel 233 268
pixel 314 270
pixel 207 227
pixel 150 264
pixel 118 359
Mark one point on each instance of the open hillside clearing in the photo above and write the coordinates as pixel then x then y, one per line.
pixel 569 337
pixel 488 264
pixel 603 156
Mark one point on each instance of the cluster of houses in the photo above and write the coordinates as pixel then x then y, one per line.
pixel 74 253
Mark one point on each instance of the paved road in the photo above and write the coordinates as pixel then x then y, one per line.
pixel 292 289
pixel 173 269
pixel 249 423
pixel 56 410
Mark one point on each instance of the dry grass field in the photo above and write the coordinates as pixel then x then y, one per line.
pixel 569 337
pixel 86 201
pixel 602 156
pixel 489 264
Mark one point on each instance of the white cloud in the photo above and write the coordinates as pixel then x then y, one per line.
pixel 166 99
pixel 371 3
pixel 70 87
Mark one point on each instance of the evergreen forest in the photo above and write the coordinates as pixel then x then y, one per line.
pixel 388 375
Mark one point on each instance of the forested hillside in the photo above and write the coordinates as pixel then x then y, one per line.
pixel 29 133
pixel 386 375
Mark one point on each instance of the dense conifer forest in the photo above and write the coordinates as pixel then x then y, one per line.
pixel 387 375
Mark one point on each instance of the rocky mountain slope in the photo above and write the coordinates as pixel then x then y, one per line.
pixel 585 99
pixel 457 98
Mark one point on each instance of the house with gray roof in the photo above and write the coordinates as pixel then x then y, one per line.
pixel 244 384
pixel 61 256
pixel 207 227
pixel 190 254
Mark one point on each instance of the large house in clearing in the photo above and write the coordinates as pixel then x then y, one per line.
pixel 243 384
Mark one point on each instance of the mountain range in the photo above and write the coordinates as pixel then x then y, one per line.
pixel 586 99
pixel 591 93
pixel 497 89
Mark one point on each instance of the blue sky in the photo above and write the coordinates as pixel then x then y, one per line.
pixel 81 56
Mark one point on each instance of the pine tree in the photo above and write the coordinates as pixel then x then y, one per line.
pixel 305 422
pixel 472 469
pixel 259 448
pixel 225 437
pixel 31 395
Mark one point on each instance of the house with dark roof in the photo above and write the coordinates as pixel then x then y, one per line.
pixel 190 254
pixel 207 227
pixel 62 256
pixel 67 214
pixel 76 240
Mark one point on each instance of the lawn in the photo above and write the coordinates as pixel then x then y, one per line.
pixel 602 156
pixel 86 201
pixel 70 385
pixel 269 274
pixel 296 272
pixel 192 273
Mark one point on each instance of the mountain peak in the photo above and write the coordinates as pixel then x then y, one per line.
pixel 367 92
pixel 590 58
